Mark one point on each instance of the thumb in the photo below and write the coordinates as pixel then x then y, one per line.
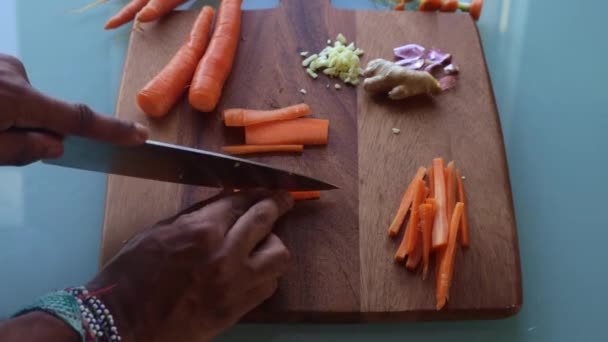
pixel 22 148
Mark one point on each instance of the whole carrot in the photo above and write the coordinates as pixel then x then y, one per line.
pixel 164 90
pixel 214 68
pixel 126 14
pixel 474 8
pixel 429 5
pixel 449 6
pixel 156 9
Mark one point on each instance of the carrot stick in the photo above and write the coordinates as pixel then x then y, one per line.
pixel 449 6
pixel 404 206
pixel 416 255
pixel 408 241
pixel 440 226
pixel 237 117
pixel 156 9
pixel 126 14
pixel 305 195
pixel 249 149
pixel 431 179
pixel 426 221
pixel 215 66
pixel 288 132
pixel 164 90
pixel 446 266
pixel 450 189
pixel 429 5
pixel 464 236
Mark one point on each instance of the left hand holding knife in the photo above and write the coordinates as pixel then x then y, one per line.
pixel 32 124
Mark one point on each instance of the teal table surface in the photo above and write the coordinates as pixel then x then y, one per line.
pixel 546 63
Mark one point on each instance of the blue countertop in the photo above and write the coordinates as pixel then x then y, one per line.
pixel 546 63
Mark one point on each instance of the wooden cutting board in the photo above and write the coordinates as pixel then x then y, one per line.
pixel 344 269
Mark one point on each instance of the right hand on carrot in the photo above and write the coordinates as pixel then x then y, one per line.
pixel 188 278
pixel 32 124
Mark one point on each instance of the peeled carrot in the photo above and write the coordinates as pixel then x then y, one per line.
pixel 289 132
pixel 426 221
pixel 446 266
pixel 415 256
pixel 431 181
pixel 165 89
pixel 464 236
pixel 440 227
pixel 408 241
pixel 474 8
pixel 156 9
pixel 126 14
pixel 305 195
pixel 249 149
pixel 237 117
pixel 215 66
pixel 404 206
pixel 450 183
pixel 449 6
pixel 429 5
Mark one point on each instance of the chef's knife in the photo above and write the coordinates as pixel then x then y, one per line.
pixel 171 163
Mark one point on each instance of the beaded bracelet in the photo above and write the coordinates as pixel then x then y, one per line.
pixel 81 310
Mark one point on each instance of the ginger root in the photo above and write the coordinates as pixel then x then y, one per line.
pixel 382 76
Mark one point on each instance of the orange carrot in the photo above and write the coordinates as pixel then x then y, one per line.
pixel 440 227
pixel 408 242
pixel 404 206
pixel 449 6
pixel 446 266
pixel 427 191
pixel 288 132
pixel 475 9
pixel 426 219
pixel 305 195
pixel 249 149
pixel 156 9
pixel 416 255
pixel 429 5
pixel 450 183
pixel 464 236
pixel 237 117
pixel 400 6
pixel 165 89
pixel 431 181
pixel 215 66
pixel 126 14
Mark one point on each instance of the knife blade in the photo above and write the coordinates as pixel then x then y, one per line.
pixel 178 164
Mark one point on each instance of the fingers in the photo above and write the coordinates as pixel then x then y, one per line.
pixel 38 110
pixel 22 148
pixel 270 260
pixel 251 228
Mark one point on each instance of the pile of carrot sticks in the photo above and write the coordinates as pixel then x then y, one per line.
pixel 437 217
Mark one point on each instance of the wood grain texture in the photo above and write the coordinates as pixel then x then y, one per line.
pixel 343 257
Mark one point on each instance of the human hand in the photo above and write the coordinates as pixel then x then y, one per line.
pixel 189 278
pixel 32 124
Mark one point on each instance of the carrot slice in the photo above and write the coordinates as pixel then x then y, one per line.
pixel 446 266
pixel 214 68
pixel 440 226
pixel 426 221
pixel 416 255
pixel 464 236
pixel 404 206
pixel 429 5
pixel 237 117
pixel 289 132
pixel 156 9
pixel 449 6
pixel 450 183
pixel 431 179
pixel 126 14
pixel 305 195
pixel 165 89
pixel 249 149
pixel 408 241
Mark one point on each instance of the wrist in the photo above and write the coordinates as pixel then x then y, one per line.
pixel 118 306
pixel 37 326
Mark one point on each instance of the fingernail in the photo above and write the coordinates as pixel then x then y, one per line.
pixel 54 151
pixel 142 132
